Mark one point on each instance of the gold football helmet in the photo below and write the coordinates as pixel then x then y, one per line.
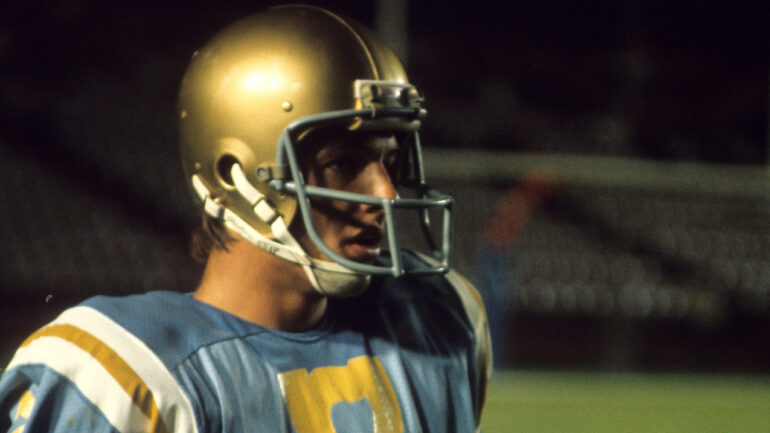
pixel 247 99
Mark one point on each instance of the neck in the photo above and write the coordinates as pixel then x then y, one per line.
pixel 257 286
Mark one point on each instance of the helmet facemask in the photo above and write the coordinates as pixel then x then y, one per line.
pixel 407 174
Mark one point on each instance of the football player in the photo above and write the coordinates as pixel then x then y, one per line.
pixel 299 138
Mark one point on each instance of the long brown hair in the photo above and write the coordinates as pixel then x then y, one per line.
pixel 211 233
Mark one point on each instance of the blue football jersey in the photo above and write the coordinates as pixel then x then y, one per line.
pixel 409 355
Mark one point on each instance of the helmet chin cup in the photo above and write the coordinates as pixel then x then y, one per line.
pixel 327 278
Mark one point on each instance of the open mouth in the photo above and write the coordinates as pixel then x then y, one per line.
pixel 364 246
pixel 371 239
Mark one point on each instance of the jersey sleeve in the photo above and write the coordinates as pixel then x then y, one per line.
pixel 83 372
pixel 481 362
pixel 474 310
pixel 36 398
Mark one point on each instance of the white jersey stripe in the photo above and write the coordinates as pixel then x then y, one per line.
pixel 174 406
pixel 90 376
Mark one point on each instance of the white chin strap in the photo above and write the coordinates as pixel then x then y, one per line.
pixel 328 278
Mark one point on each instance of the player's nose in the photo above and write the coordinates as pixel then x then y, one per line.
pixel 380 184
pixel 376 182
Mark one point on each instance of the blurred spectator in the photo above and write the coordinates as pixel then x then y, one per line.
pixel 496 253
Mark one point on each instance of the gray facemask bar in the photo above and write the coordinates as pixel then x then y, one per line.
pixel 431 198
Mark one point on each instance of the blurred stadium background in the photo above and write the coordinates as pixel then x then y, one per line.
pixel 609 160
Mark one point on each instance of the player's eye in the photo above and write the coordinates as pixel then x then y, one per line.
pixel 342 165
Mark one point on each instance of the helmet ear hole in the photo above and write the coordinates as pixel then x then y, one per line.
pixel 224 168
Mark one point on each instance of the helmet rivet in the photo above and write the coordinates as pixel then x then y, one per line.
pixel 183 114
pixel 287 106
pixel 263 174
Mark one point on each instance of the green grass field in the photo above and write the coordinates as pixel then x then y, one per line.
pixel 534 402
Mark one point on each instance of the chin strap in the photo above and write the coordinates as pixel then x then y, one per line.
pixel 328 278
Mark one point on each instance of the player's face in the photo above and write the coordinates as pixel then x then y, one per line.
pixel 357 163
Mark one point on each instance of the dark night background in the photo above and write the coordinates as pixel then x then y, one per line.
pixel 93 198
